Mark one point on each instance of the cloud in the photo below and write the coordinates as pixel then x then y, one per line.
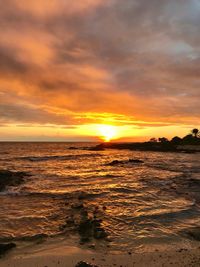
pixel 61 60
pixel 16 113
pixel 9 63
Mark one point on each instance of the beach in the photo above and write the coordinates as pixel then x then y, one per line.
pixel 69 256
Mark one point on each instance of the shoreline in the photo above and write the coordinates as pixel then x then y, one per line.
pixel 148 146
pixel 69 256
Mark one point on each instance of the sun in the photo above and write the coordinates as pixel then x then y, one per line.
pixel 107 132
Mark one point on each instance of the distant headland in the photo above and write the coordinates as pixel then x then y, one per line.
pixel 188 144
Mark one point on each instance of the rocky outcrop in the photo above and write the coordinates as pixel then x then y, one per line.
pixel 37 237
pixel 86 221
pixel 140 146
pixel 9 178
pixel 194 233
pixel 122 162
pixel 84 264
pixel 4 248
pixel 90 227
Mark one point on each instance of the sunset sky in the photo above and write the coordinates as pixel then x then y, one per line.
pixel 68 67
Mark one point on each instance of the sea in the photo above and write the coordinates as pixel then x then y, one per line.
pixel 143 206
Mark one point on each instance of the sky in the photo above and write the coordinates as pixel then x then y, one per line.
pixel 68 67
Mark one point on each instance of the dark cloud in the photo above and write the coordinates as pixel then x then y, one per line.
pixel 16 113
pixel 10 65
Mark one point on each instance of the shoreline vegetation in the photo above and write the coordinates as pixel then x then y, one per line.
pixel 188 144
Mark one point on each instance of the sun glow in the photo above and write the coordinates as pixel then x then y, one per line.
pixel 107 132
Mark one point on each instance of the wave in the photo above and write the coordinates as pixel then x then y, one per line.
pixel 67 196
pixel 123 190
pixel 57 157
pixel 166 217
pixel 9 193
pixel 28 238
pixel 27 194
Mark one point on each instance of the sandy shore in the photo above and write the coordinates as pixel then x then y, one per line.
pixel 69 256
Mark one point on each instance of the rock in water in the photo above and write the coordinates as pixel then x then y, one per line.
pixel 6 247
pixel 85 228
pixel 100 233
pixel 9 178
pixel 194 233
pixel 84 264
pixel 37 237
pixel 122 162
pixel 115 162
pixel 135 161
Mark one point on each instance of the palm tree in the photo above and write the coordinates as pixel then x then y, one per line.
pixel 195 132
pixel 163 140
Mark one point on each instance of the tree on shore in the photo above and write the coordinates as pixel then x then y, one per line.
pixel 189 138
pixel 153 140
pixel 176 140
pixel 193 138
pixel 163 140
pixel 195 132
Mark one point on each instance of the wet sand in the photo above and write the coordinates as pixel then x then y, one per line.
pixel 68 256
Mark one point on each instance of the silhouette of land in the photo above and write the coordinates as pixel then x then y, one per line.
pixel 188 144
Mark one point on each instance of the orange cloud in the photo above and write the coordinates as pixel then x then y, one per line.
pixel 46 8
pixel 81 63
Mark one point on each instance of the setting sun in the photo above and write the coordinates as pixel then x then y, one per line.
pixel 107 132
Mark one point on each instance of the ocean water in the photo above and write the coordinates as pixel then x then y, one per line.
pixel 142 206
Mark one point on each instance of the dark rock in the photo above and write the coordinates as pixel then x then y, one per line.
pixel 84 239
pixel 84 264
pixel 84 213
pixel 85 227
pixel 96 222
pixel 194 182
pixel 100 233
pixel 70 222
pixel 135 161
pixel 142 146
pixel 82 195
pixel 6 247
pixel 194 233
pixel 78 206
pixel 188 152
pixel 37 237
pixel 92 246
pixel 114 162
pixel 121 162
pixel 181 250
pixel 89 227
pixel 9 178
